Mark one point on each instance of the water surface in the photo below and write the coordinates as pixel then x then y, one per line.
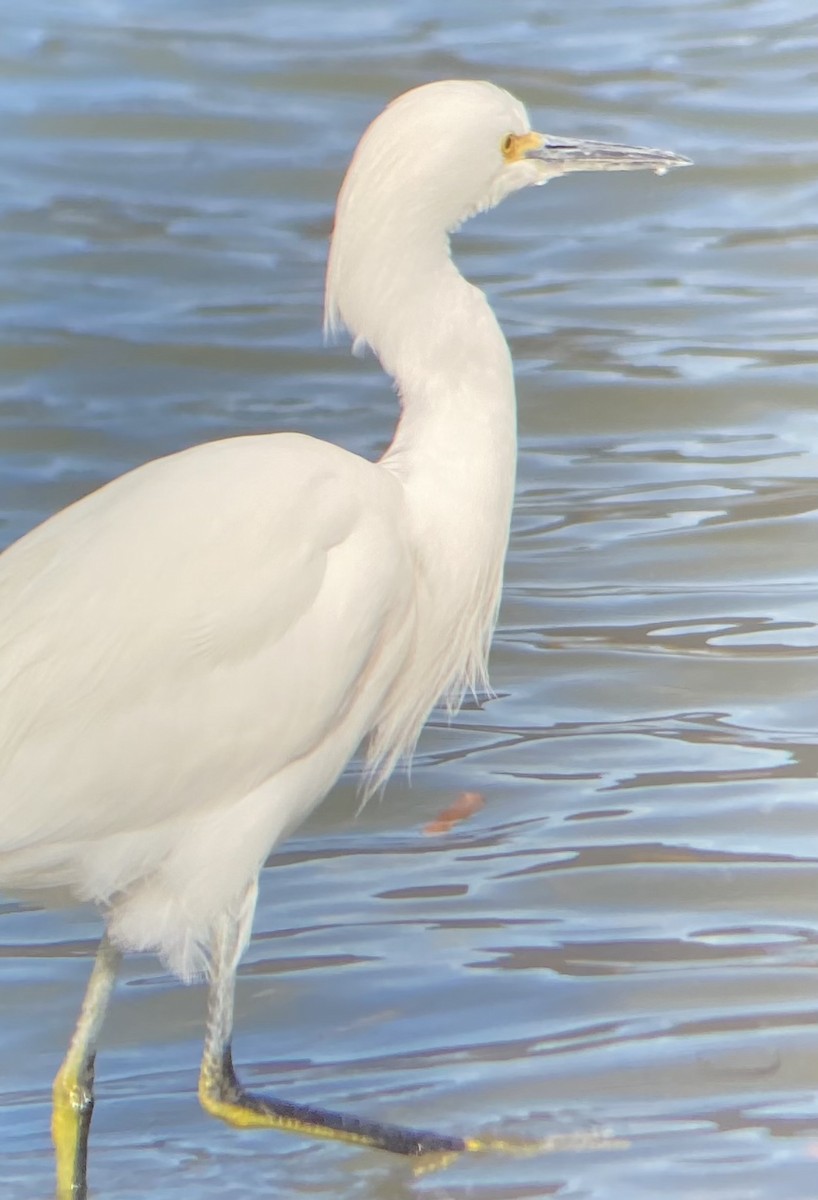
pixel 623 941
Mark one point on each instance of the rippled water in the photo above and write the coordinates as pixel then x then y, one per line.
pixel 623 942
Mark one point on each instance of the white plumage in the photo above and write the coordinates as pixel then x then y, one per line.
pixel 159 710
pixel 189 656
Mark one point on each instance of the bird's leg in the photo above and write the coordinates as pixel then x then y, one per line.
pixel 221 1094
pixel 73 1090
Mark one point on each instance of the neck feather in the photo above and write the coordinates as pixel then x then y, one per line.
pixel 454 451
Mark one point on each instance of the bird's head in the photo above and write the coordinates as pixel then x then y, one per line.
pixel 434 157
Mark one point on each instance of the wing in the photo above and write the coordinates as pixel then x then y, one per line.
pixel 175 639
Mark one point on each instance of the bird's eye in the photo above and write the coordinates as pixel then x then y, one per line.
pixel 507 145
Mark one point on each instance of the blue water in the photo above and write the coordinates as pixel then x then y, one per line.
pixel 620 947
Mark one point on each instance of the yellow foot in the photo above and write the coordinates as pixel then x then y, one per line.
pixel 244 1110
pixel 73 1104
pixel 555 1143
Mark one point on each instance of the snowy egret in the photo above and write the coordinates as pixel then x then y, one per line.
pixel 190 656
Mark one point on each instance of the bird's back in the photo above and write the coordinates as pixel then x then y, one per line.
pixel 177 640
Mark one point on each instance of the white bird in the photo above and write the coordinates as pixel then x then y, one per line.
pixel 190 655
